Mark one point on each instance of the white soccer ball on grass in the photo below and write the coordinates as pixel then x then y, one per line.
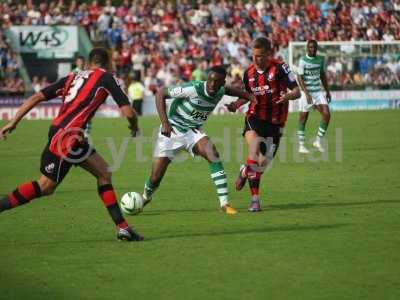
pixel 131 203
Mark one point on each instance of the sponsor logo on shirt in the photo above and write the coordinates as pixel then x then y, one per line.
pixel 261 90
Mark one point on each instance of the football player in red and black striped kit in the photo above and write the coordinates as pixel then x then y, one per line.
pixel 269 80
pixel 82 93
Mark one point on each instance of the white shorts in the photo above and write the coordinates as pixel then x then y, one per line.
pixel 171 146
pixel 318 98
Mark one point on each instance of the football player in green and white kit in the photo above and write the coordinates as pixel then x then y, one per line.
pixel 191 105
pixel 311 73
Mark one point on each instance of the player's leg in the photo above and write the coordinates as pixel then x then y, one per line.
pixel 323 127
pixel 27 192
pixel 303 117
pixel 252 140
pixel 164 151
pixel 53 168
pixel 268 149
pixel 206 149
pixel 158 169
pixel 98 167
pixel 256 163
pixel 253 169
pixel 253 144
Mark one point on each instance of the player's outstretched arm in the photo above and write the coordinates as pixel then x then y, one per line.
pixel 162 111
pixel 128 112
pixel 243 97
pixel 30 103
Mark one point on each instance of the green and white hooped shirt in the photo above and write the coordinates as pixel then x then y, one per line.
pixel 310 68
pixel 191 105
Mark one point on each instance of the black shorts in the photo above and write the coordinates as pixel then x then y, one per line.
pixel 271 133
pixel 56 168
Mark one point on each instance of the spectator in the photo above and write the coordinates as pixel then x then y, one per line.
pixel 199 73
pixel 79 64
pixel 136 93
pixel 44 82
pixel 36 84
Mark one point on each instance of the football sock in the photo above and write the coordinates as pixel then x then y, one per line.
pixel 218 175
pixel 251 164
pixel 21 195
pixel 321 131
pixel 109 198
pixel 149 188
pixel 300 133
pixel 254 177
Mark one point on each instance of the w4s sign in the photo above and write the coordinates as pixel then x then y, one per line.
pixel 38 38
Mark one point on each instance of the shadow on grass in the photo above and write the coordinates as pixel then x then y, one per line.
pixel 367 148
pixel 159 212
pixel 329 204
pixel 259 230
pixel 242 209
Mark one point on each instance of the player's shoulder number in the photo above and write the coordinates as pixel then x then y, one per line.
pixel 288 72
pixel 286 68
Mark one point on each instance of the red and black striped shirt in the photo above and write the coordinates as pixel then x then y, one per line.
pixel 267 86
pixel 82 94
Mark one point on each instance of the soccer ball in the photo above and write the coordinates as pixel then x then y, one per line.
pixel 131 203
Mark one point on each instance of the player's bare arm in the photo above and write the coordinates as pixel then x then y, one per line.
pixel 303 87
pixel 30 103
pixel 324 81
pixel 243 97
pixel 162 112
pixel 292 95
pixel 131 116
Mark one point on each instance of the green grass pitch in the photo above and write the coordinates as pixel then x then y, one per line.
pixel 330 228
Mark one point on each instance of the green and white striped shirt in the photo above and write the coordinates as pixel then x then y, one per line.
pixel 310 68
pixel 191 105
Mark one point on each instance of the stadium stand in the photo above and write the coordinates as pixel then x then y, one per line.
pixel 168 43
pixel 10 81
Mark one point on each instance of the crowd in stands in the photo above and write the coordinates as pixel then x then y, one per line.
pixel 172 41
pixel 364 72
pixel 10 81
pixel 39 83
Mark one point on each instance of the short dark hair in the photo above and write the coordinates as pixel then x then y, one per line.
pixel 99 56
pixel 312 42
pixel 218 69
pixel 262 43
pixel 80 57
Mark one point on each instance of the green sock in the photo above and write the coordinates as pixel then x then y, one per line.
pixel 322 130
pixel 300 133
pixel 219 177
pixel 149 189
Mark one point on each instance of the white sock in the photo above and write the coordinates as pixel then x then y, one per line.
pixel 223 200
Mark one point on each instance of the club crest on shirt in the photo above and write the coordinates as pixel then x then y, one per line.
pixel 50 168
pixel 271 75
